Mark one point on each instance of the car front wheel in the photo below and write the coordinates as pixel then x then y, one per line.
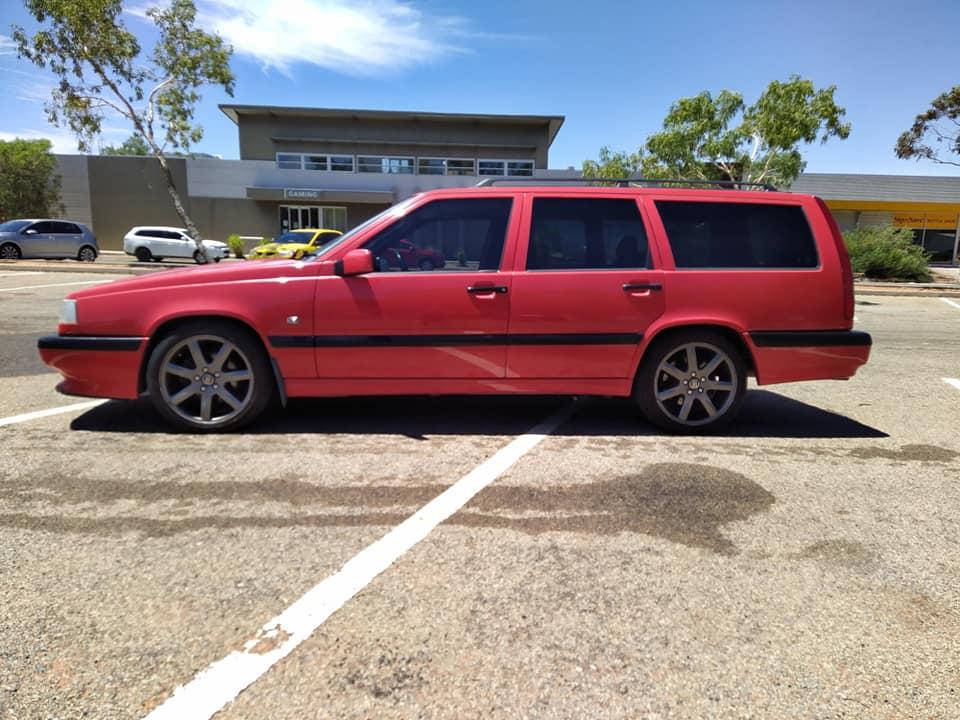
pixel 690 382
pixel 199 258
pixel 143 254
pixel 209 377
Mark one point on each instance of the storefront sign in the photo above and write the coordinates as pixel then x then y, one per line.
pixel 298 194
pixel 919 220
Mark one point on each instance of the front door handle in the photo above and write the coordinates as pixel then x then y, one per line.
pixel 484 289
pixel 633 287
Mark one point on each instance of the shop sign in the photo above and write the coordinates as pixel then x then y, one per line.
pixel 298 194
pixel 930 221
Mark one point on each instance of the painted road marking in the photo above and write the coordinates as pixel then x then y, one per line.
pixel 21 273
pixel 952 381
pixel 36 415
pixel 220 683
pixel 33 287
pixel 951 302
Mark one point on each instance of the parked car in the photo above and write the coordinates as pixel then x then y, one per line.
pixel 294 244
pixel 159 242
pixel 669 296
pixel 47 239
pixel 405 255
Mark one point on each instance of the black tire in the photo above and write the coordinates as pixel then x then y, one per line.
pixel 87 253
pixel 216 259
pixel 174 354
pixel 426 264
pixel 199 258
pixel 9 251
pixel 143 254
pixel 682 400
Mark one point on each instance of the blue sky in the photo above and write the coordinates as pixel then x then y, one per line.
pixel 611 67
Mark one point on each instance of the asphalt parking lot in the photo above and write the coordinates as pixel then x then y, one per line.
pixel 805 564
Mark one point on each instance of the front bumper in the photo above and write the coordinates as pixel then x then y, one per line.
pixel 102 367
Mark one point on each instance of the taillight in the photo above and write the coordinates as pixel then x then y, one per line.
pixel 845 269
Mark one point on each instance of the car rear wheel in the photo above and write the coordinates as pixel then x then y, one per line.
pixel 87 254
pixel 143 254
pixel 690 382
pixel 199 258
pixel 208 377
pixel 10 251
pixel 426 264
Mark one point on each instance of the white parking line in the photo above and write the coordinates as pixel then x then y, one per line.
pixel 951 302
pixel 952 381
pixel 27 417
pixel 20 274
pixel 31 287
pixel 220 683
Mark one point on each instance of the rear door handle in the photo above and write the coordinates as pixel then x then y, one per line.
pixel 632 287
pixel 484 289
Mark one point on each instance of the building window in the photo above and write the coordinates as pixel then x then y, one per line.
pixel 341 163
pixel 315 162
pixel 446 166
pixel 385 165
pixel 515 168
pixel 295 217
pixel 289 161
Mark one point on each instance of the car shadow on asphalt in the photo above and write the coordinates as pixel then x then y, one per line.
pixel 764 414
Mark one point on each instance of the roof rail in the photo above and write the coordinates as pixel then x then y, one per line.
pixel 629 182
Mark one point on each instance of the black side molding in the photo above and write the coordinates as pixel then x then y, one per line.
pixel 809 338
pixel 79 342
pixel 328 341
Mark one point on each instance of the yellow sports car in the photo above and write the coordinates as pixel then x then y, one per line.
pixel 294 244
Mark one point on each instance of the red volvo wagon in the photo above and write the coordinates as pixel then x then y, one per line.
pixel 671 296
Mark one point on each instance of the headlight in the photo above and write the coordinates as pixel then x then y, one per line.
pixel 286 253
pixel 68 312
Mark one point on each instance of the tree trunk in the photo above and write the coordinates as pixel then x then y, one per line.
pixel 178 204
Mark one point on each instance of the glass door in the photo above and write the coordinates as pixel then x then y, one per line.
pixel 295 217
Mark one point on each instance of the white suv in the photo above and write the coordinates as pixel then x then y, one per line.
pixel 158 242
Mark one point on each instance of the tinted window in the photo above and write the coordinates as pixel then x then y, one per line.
pixel 738 235
pixel 452 235
pixel 148 233
pixel 585 233
pixel 65 227
pixel 42 228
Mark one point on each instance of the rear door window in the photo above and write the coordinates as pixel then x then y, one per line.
pixel 65 228
pixel 587 233
pixel 738 235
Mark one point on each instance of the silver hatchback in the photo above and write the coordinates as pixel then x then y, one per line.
pixel 47 239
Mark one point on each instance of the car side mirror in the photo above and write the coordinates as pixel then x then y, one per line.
pixel 355 262
pixel 29 231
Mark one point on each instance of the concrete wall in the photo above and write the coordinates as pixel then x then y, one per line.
pixel 130 191
pixel 75 188
pixel 262 136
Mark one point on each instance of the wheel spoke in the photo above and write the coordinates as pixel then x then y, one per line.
pixel 687 406
pixel 216 363
pixel 235 376
pixel 180 371
pixel 721 385
pixel 188 392
pixel 716 362
pixel 206 406
pixel 691 358
pixel 671 393
pixel 196 353
pixel 229 398
pixel 673 372
pixel 707 405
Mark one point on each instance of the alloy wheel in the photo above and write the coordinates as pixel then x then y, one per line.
pixel 696 384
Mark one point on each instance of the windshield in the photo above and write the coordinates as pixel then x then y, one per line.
pixel 393 211
pixel 293 237
pixel 13 225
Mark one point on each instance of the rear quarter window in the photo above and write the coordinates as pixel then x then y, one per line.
pixel 738 235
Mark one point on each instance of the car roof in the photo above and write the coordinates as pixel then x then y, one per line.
pixel 158 227
pixel 633 191
pixel 312 230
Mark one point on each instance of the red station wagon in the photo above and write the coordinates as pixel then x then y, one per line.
pixel 671 296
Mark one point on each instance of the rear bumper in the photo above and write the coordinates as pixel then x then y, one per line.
pixel 791 356
pixel 102 367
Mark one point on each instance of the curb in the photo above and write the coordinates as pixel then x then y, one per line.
pixel 74 266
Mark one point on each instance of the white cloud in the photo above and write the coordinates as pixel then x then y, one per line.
pixel 7 45
pixel 357 37
pixel 63 142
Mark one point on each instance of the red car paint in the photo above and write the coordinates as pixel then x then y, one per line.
pixel 780 315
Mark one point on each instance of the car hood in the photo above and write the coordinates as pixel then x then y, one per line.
pixel 214 244
pixel 204 275
pixel 268 247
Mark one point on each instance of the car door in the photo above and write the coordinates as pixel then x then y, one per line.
pixel 65 239
pixel 586 289
pixel 406 322
pixel 38 240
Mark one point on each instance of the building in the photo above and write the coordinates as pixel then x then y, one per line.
pixel 334 168
pixel 306 167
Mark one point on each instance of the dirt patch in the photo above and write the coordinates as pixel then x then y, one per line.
pixel 391 674
pixel 907 453
pixel 848 553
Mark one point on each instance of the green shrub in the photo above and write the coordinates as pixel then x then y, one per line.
pixel 236 245
pixel 887 253
pixel 264 241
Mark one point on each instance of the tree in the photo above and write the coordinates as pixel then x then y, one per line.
pixel 935 131
pixel 101 70
pixel 721 138
pixel 29 185
pixel 133 145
